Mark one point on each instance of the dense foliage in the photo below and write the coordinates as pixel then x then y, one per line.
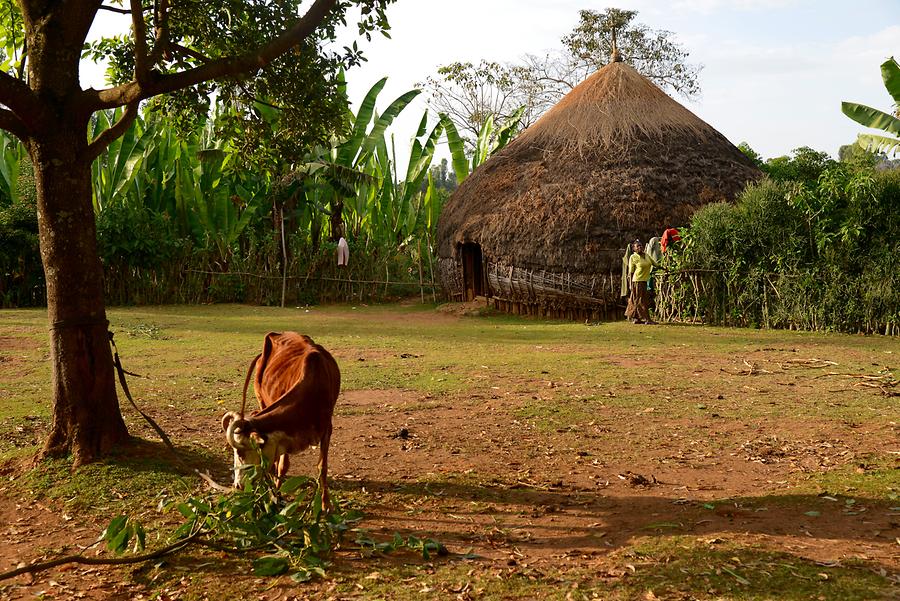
pixel 181 216
pixel 21 273
pixel 810 247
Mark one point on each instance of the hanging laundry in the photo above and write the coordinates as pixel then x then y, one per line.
pixel 343 253
pixel 669 236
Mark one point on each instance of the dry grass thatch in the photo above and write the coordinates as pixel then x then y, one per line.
pixel 612 109
pixel 616 159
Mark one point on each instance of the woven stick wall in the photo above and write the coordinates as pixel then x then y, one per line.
pixel 542 293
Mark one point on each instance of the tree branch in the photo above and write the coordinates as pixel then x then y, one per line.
pixel 115 130
pixel 11 123
pixel 113 9
pixel 161 34
pixel 46 565
pixel 229 66
pixel 21 100
pixel 141 64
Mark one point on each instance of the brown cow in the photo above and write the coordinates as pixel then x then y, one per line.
pixel 297 384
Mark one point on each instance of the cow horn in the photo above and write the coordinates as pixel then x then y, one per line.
pixel 227 419
pixel 235 428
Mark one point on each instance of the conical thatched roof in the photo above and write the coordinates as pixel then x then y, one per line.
pixel 615 159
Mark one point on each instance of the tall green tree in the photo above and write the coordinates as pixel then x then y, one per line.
pixel 277 47
pixel 876 119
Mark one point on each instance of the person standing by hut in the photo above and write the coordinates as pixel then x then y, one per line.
pixel 640 264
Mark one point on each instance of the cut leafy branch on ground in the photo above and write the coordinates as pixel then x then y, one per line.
pixel 286 525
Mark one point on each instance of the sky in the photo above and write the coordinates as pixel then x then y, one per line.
pixel 774 71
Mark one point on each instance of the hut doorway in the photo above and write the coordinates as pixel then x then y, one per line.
pixel 473 271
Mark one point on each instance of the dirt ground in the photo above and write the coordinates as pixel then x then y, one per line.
pixel 522 494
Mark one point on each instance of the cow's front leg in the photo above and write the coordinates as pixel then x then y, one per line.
pixel 323 467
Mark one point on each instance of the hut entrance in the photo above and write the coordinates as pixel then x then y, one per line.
pixel 473 270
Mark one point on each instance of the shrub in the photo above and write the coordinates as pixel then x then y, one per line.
pixel 806 254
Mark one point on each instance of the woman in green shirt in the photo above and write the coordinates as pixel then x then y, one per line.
pixel 639 266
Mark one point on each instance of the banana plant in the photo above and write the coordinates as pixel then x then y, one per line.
pixel 358 147
pixel 490 140
pixel 207 203
pixel 876 119
pixel 155 181
pixel 347 170
pixel 114 171
pixel 420 159
pixel 12 151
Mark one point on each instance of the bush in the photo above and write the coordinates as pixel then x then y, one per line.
pixel 799 254
pixel 136 237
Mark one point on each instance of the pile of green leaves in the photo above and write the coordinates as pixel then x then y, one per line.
pixel 285 527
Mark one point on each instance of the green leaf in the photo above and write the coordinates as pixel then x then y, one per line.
pixel 271 565
pixel 877 144
pixel 457 149
pixel 140 541
pixel 383 122
pixel 302 575
pixel 185 510
pixel 348 150
pixel 119 542
pixel 482 144
pixel 890 73
pixel 292 484
pixel 866 115
pixel 507 130
pixel 115 527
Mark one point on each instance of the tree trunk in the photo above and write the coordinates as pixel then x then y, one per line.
pixel 87 421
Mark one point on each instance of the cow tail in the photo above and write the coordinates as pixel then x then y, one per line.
pixel 247 382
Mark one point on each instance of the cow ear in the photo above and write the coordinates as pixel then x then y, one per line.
pixel 258 438
pixel 227 419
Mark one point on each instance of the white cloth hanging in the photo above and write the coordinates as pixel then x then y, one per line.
pixel 343 252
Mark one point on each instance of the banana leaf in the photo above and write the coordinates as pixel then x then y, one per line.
pixel 384 121
pixel 11 154
pixel 483 143
pixel 114 171
pixel 508 130
pixel 890 73
pixel 457 149
pixel 879 144
pixel 350 148
pixel 865 115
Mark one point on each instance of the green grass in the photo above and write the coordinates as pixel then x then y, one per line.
pixel 129 480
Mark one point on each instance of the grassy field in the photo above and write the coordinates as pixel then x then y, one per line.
pixel 555 460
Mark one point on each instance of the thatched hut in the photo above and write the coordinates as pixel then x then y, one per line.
pixel 542 225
